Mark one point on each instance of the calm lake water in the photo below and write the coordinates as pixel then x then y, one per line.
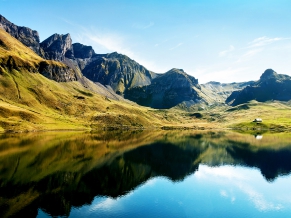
pixel 145 174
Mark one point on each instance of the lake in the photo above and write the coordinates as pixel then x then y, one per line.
pixel 145 174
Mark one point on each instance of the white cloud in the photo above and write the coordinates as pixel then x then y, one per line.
pixel 140 26
pixel 108 41
pixel 258 199
pixel 160 43
pixel 249 54
pixel 176 46
pixel 223 193
pixel 104 204
pixel 225 52
pixel 262 41
pixel 226 172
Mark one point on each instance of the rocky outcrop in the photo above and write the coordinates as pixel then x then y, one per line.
pixel 118 71
pixel 270 86
pixel 57 47
pixel 59 73
pixel 166 90
pixel 27 36
pixel 83 51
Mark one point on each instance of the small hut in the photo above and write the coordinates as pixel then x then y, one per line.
pixel 258 120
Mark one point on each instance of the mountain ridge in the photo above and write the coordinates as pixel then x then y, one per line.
pixel 270 86
pixel 118 71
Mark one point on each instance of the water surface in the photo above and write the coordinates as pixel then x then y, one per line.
pixel 145 174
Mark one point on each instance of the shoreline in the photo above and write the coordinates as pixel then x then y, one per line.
pixel 164 128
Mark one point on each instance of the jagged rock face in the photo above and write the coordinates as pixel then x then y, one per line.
pixel 166 90
pixel 56 72
pixel 57 47
pixel 271 86
pixel 118 71
pixel 83 51
pixel 27 36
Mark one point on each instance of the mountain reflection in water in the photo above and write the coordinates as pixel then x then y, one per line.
pixel 55 172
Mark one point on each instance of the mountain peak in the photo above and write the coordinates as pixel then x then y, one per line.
pixel 269 73
pixel 117 55
pixel 271 86
pixel 176 70
pixel 57 46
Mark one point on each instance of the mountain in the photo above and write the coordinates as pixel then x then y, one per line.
pixel 270 86
pixel 15 56
pixel 166 90
pixel 118 71
pixel 39 94
pixel 116 76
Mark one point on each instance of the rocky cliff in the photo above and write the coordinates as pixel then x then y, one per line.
pixel 57 47
pixel 27 36
pixel 83 51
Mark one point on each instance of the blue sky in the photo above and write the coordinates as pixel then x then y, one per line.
pixel 213 40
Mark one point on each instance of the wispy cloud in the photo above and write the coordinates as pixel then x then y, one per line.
pixel 225 52
pixel 101 39
pixel 176 46
pixel 140 26
pixel 104 204
pixel 259 200
pixel 263 41
pixel 249 54
pixel 160 43
pixel 108 41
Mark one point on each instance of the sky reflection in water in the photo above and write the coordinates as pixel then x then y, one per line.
pixel 225 191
